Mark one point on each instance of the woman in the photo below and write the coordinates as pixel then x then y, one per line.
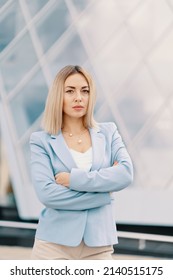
pixel 76 166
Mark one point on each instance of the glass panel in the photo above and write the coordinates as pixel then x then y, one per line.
pixel 72 52
pixel 127 6
pixel 25 147
pixel 27 154
pixel 104 114
pixel 138 101
pixel 98 23
pixel 120 60
pixel 11 22
pixel 171 2
pixel 53 24
pixel 161 63
pixel 18 62
pixel 29 103
pixel 35 6
pixel 156 152
pixel 2 2
pixel 152 18
pixel 81 4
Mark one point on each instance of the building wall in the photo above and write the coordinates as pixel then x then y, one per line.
pixel 127 46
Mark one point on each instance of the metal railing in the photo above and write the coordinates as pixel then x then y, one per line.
pixel 121 234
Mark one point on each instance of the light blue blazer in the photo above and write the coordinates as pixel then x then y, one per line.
pixel 84 210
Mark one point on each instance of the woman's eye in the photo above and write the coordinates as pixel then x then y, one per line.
pixel 70 91
pixel 85 91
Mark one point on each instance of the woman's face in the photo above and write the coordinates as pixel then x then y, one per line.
pixel 76 96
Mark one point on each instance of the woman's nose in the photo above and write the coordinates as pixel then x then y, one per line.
pixel 78 96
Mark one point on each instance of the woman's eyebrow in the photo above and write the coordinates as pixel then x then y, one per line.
pixel 74 87
pixel 69 87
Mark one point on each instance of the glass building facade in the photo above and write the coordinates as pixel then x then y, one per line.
pixel 127 46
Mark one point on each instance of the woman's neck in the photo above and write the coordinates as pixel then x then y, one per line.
pixel 74 126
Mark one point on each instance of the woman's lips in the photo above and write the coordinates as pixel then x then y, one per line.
pixel 78 107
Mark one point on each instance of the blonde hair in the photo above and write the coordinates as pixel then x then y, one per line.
pixel 53 114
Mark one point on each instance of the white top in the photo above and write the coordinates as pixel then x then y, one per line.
pixel 82 160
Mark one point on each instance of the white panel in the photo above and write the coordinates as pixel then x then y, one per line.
pixel 144 207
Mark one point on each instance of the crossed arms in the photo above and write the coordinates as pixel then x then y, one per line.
pixel 66 191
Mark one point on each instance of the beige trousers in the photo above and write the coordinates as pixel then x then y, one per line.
pixel 43 250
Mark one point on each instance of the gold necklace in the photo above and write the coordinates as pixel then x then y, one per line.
pixel 79 141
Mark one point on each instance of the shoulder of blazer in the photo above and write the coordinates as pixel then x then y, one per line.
pixel 39 137
pixel 107 127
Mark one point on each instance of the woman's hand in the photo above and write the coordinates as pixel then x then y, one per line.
pixel 63 178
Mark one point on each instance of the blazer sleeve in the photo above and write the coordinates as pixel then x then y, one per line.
pixel 54 195
pixel 111 179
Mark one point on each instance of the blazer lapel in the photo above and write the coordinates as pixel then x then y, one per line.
pixel 98 145
pixel 60 148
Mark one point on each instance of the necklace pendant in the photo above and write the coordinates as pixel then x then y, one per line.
pixel 79 141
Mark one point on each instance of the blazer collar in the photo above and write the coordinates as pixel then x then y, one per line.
pixel 61 149
pixel 98 147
